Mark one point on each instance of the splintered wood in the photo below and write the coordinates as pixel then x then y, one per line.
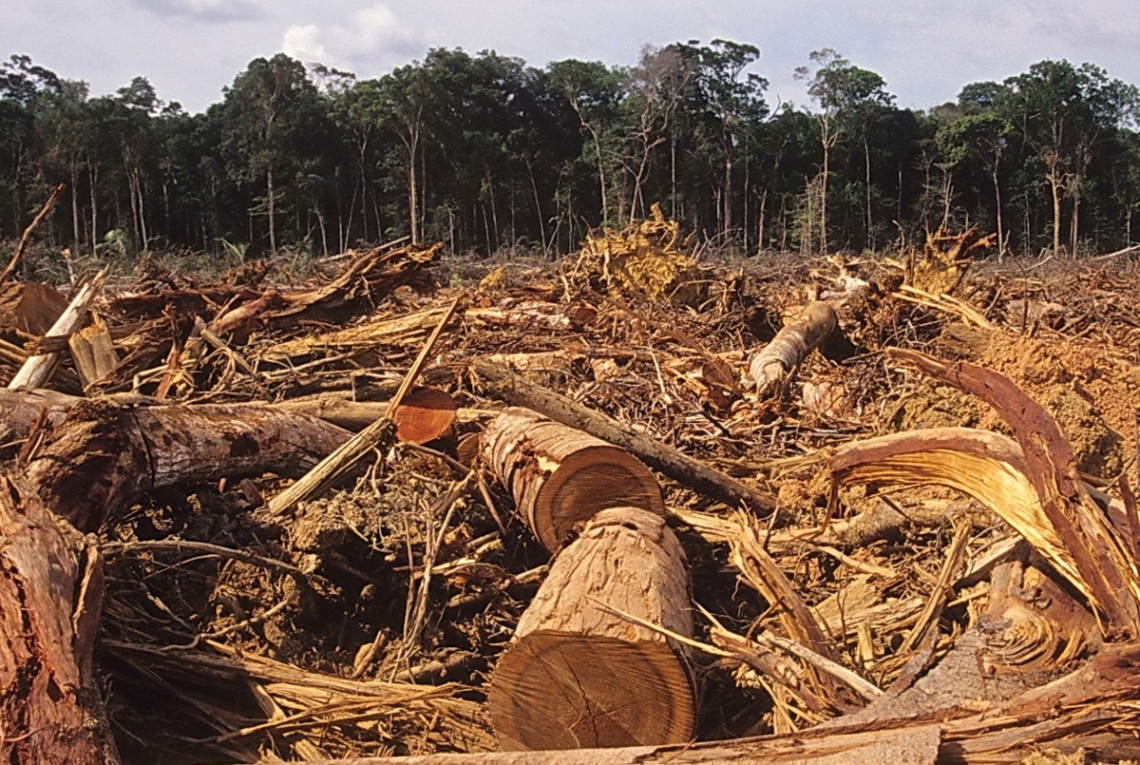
pixel 620 509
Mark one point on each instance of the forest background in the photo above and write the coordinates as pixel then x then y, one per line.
pixel 492 156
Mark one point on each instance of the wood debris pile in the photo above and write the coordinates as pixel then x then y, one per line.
pixel 828 511
pixel 648 258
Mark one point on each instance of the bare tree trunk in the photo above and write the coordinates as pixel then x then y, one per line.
pixel 867 185
pixel 823 195
pixel 75 232
pixel 1075 224
pixel 93 177
pixel 1055 190
pixel 270 210
pixel 761 211
pixel 998 205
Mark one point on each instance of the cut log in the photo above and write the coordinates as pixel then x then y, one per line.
pixel 106 451
pixel 560 476
pixel 672 462
pixel 424 415
pixel 772 365
pixel 580 671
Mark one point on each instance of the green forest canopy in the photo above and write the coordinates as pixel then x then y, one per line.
pixel 488 154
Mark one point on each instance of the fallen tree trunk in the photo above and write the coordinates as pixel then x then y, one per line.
pixel 918 745
pixel 105 451
pixel 98 456
pixel 771 366
pixel 560 476
pixel 1091 709
pixel 22 408
pixel 672 462
pixel 581 672
pixel 51 589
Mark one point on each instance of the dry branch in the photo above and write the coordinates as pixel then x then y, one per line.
pixel 106 452
pixel 48 205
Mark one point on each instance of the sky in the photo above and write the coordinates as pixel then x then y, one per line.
pixel 925 50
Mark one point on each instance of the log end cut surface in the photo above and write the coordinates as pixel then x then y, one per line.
pixel 424 415
pixel 568 691
pixel 588 481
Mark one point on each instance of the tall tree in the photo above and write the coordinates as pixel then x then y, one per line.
pixel 1064 113
pixel 264 111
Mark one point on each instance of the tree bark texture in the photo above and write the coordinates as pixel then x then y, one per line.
pixel 580 671
pixel 51 589
pixel 560 476
pixel 106 452
pixel 772 365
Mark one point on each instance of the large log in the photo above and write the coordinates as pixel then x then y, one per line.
pixel 769 368
pixel 107 451
pixel 560 476
pixel 51 588
pixel 78 467
pixel 583 669
pixel 672 462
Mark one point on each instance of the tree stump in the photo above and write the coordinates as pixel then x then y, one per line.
pixel 560 476
pixel 578 673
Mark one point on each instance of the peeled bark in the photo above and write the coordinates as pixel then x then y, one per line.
pixel 772 365
pixel 580 671
pixel 560 476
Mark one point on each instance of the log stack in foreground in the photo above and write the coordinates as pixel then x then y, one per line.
pixel 583 670
pixel 560 476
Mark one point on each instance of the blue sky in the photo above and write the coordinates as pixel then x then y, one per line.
pixel 925 50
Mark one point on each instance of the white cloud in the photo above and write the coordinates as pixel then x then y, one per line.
pixel 303 41
pixel 374 35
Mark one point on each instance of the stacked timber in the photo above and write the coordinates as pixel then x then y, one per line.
pixel 584 669
pixel 560 476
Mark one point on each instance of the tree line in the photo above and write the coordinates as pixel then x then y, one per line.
pixel 489 154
